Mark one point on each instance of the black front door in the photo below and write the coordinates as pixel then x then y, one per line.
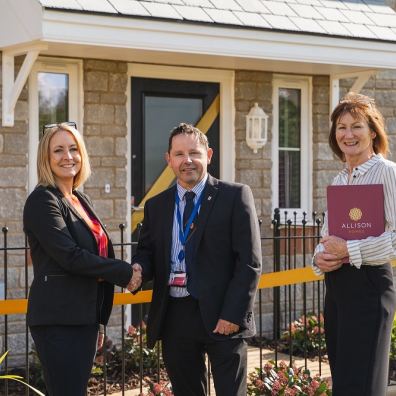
pixel 158 106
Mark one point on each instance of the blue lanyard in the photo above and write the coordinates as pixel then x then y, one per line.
pixel 183 234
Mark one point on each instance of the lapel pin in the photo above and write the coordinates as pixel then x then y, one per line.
pixel 209 198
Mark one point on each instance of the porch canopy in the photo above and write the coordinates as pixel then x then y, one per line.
pixel 346 38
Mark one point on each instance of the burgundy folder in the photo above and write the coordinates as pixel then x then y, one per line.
pixel 356 211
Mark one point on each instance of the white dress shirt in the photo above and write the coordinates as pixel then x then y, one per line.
pixel 176 264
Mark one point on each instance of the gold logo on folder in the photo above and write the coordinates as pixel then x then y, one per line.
pixel 355 214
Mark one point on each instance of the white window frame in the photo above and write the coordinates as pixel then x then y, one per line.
pixel 304 83
pixel 73 68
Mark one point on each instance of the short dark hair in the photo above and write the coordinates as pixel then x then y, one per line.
pixel 188 129
pixel 359 106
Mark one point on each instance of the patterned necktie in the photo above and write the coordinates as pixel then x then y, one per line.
pixel 189 248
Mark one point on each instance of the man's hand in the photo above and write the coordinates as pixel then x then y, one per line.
pixel 225 327
pixel 327 262
pixel 136 280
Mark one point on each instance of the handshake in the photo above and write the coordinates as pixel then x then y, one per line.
pixel 136 280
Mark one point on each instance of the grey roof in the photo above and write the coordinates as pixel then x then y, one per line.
pixel 368 19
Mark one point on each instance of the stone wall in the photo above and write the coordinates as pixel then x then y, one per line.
pixel 105 133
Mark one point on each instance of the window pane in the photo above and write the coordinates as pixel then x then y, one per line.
pixel 53 90
pixel 289 117
pixel 161 115
pixel 289 179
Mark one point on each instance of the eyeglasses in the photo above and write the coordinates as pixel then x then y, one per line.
pixel 49 126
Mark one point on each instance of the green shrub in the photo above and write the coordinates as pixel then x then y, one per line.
pixel 302 340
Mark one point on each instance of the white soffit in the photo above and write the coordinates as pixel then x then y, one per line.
pixel 20 22
pixel 112 33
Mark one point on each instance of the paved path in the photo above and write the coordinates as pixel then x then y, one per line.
pixel 254 361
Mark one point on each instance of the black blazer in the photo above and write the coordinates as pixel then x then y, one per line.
pixel 66 265
pixel 227 253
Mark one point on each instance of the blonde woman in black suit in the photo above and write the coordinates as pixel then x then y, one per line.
pixel 74 267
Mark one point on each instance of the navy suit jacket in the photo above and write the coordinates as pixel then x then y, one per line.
pixel 66 265
pixel 227 256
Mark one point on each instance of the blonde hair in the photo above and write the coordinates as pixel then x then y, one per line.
pixel 44 173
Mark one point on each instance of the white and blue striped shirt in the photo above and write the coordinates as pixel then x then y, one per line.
pixel 373 250
pixel 176 264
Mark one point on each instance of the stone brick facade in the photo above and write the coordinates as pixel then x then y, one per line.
pixel 105 132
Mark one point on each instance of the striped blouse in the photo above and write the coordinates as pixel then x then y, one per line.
pixel 373 250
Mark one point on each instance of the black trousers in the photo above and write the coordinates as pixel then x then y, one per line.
pixel 359 310
pixel 184 344
pixel 66 354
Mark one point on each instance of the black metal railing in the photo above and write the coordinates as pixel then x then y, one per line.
pixel 288 244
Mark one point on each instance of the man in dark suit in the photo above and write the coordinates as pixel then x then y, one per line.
pixel 200 243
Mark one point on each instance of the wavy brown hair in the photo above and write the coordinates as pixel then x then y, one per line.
pixel 359 107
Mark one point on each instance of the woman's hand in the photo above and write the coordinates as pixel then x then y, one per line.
pixel 136 280
pixel 335 246
pixel 327 262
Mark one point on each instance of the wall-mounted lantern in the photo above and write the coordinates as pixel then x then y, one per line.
pixel 256 128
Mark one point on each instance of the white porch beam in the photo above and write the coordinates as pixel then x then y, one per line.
pixel 361 79
pixel 12 88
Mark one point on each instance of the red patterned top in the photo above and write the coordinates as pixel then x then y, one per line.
pixel 94 225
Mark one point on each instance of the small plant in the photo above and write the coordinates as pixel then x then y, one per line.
pixel 163 388
pixel 286 381
pixel 17 378
pixel 392 353
pixel 309 340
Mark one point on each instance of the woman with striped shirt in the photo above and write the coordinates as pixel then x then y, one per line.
pixel 360 296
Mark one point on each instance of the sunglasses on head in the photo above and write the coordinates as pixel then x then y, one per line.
pixel 59 124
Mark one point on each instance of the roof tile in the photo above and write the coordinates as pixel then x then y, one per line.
pixel 97 6
pixel 223 16
pixel 386 20
pixel 332 14
pixel 359 30
pixel 200 3
pixel 226 5
pixel 170 2
pixel 278 8
pixel 383 33
pixel 129 7
pixel 66 4
pixel 161 10
pixel 306 2
pixel 252 19
pixel 252 5
pixel 357 17
pixel 307 25
pixel 280 22
pixel 333 27
pixel 381 8
pixel 334 4
pixel 193 13
pixel 305 11
pixel 356 5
